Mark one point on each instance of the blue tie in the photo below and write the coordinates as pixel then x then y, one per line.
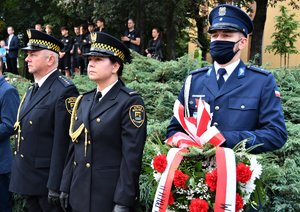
pixel 221 80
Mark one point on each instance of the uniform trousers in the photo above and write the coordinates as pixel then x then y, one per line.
pixel 5 195
pixel 40 204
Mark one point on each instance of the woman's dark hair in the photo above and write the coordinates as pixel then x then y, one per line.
pixel 114 60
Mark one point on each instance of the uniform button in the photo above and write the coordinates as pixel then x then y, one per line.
pixel 89 142
pixel 30 122
pixel 243 106
pixel 215 124
pixel 217 108
pixel 22 156
pixel 76 118
pixel 22 138
pixel 15 152
pixel 75 163
pixel 88 165
pixel 98 120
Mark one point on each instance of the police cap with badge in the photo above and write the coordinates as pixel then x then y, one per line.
pixel 39 40
pixel 229 17
pixel 105 45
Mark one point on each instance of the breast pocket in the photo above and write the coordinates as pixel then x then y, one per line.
pixel 242 113
pixel 243 103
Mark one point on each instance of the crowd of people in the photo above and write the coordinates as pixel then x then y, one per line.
pixel 84 152
pixel 71 59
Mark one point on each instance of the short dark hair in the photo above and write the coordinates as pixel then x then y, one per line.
pixel 101 19
pixel 64 28
pixel 114 60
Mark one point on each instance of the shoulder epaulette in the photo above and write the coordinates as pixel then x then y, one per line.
pixel 258 69
pixel 65 81
pixel 204 69
pixel 129 91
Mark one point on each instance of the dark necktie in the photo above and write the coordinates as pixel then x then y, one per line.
pixel 34 89
pixel 97 98
pixel 221 80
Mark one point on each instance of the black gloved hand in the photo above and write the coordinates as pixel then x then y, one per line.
pixel 64 200
pixel 53 197
pixel 120 208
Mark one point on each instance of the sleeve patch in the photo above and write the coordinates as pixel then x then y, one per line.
pixel 137 115
pixel 70 102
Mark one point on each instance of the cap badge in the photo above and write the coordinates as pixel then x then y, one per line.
pixel 93 37
pixel 29 33
pixel 222 11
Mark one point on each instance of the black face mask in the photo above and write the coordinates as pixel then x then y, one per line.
pixel 222 51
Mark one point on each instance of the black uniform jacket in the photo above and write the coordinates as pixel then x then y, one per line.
pixel 42 137
pixel 104 161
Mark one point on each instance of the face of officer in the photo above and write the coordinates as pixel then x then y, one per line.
pixel 41 62
pixel 76 30
pixel 102 70
pixel 226 46
pixel 130 24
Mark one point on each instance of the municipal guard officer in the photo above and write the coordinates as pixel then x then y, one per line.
pixel 43 117
pixel 244 100
pixel 108 130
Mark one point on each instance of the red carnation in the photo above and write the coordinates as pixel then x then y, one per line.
pixel 180 179
pixel 171 199
pixel 160 163
pixel 243 173
pixel 239 203
pixel 211 180
pixel 198 205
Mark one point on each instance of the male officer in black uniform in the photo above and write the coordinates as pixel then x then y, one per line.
pixel 108 130
pixel 244 100
pixel 42 126
pixel 65 52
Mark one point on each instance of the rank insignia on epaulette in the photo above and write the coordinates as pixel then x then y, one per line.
pixel 70 102
pixel 137 115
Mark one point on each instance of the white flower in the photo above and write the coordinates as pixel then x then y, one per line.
pixel 255 167
pixel 156 176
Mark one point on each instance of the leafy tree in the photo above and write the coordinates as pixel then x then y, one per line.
pixel 285 36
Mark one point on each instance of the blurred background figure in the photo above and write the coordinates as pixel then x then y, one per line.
pixel 101 27
pixel 155 45
pixel 49 29
pixel 65 53
pixel 12 47
pixel 132 36
pixel 38 27
pixel 3 55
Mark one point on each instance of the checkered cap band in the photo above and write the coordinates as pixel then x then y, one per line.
pixel 105 47
pixel 44 44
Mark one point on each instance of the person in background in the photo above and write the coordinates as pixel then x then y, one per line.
pixel 9 102
pixel 42 126
pixel 155 45
pixel 245 100
pixel 65 53
pixel 49 29
pixel 3 55
pixel 38 27
pixel 84 47
pixel 101 25
pixel 12 48
pixel 75 52
pixel 132 36
pixel 108 130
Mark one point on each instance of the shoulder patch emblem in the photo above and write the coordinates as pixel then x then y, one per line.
pixel 70 102
pixel 137 115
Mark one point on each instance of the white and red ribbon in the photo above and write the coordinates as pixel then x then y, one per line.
pixel 199 133
pixel 226 183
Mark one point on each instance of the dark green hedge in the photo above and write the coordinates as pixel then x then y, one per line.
pixel 159 84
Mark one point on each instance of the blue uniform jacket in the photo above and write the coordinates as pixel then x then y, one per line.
pixel 9 102
pixel 245 107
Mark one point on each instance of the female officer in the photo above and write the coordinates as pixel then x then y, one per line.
pixel 108 131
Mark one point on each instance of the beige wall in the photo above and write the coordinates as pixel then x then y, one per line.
pixel 269 59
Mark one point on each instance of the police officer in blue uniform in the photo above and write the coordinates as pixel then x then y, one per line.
pixel 43 118
pixel 108 130
pixel 244 100
pixel 9 102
